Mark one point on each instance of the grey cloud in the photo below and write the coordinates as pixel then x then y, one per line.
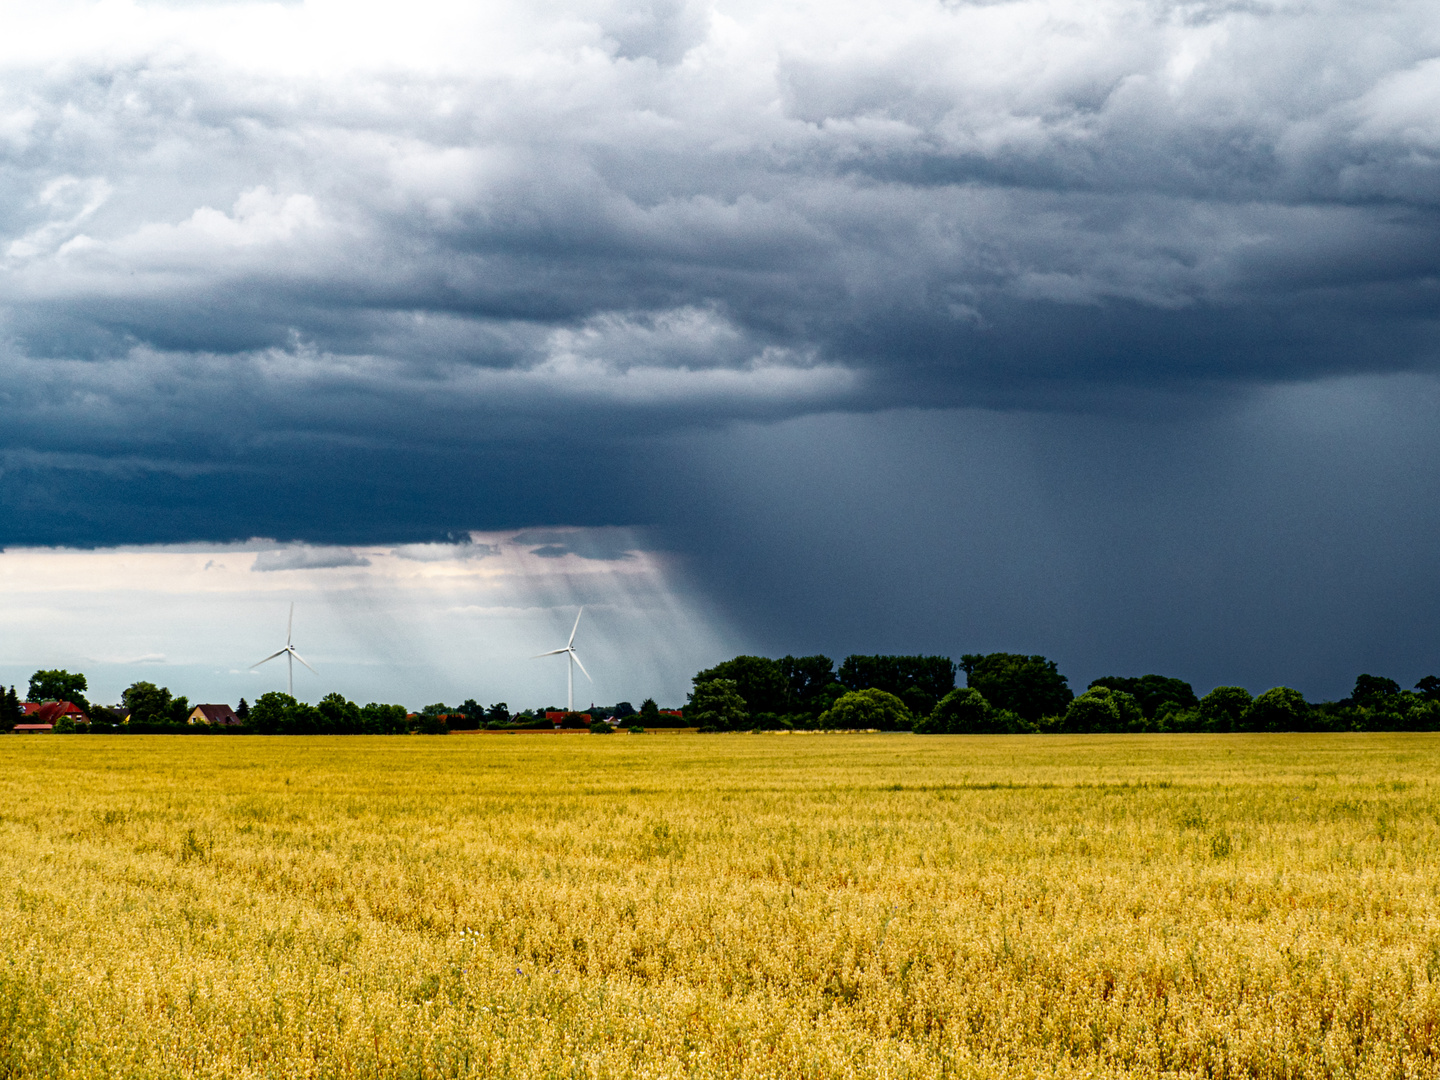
pixel 307 558
pixel 968 167
pixel 486 273
pixel 463 551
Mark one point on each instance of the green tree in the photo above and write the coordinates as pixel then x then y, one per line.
pixel 963 711
pixel 1153 692
pixel 270 715
pixel 1030 686
pixel 10 711
pixel 1278 709
pixel 650 713
pixel 384 719
pixel 919 681
pixel 58 685
pixel 1429 688
pixel 761 683
pixel 1101 709
pixel 147 703
pixel 810 683
pixel 1424 716
pixel 341 716
pixel 715 703
pixel 1375 692
pixel 1224 709
pixel 862 710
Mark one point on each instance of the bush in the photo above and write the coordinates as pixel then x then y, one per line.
pixel 600 727
pixel 759 681
pixel 716 704
pixel 635 729
pixel 1028 685
pixel 1224 709
pixel 1102 709
pixel 960 712
pixel 1278 709
pixel 864 710
pixel 1172 717
pixel 1152 693
pixel 376 719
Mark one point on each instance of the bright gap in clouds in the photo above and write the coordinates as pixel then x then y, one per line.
pixel 414 624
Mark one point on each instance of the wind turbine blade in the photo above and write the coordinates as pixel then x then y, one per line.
pixel 576 626
pixel 267 659
pixel 577 660
pixel 552 652
pixel 297 656
pixel 290 622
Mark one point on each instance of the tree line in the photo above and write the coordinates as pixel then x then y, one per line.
pixel 1004 693
pixel 1012 693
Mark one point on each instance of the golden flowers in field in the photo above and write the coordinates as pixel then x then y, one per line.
pixel 746 905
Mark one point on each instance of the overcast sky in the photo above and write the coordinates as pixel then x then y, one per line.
pixel 1099 329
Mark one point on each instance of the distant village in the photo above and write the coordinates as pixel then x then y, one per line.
pixel 55 702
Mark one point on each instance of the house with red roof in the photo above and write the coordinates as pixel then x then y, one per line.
pixel 51 712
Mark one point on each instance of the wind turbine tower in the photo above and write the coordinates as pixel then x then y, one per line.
pixel 291 655
pixel 572 658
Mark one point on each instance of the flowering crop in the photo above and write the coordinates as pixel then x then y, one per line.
pixel 743 905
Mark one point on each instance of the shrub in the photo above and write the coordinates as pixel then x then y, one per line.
pixel 1278 709
pixel 600 727
pixel 1224 708
pixel 1029 685
pixel 960 712
pixel 717 704
pixel 1102 709
pixel 862 710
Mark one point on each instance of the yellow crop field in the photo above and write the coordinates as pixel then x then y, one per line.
pixel 674 905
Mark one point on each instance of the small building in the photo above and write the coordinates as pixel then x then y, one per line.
pixel 223 715
pixel 33 729
pixel 556 717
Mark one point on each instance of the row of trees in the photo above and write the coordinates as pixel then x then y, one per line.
pixel 750 692
pixel 1015 693
pixel 1004 693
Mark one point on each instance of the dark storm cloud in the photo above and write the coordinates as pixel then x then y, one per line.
pixel 378 273
pixel 1289 541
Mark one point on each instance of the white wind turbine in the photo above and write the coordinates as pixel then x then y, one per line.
pixel 571 656
pixel 290 655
